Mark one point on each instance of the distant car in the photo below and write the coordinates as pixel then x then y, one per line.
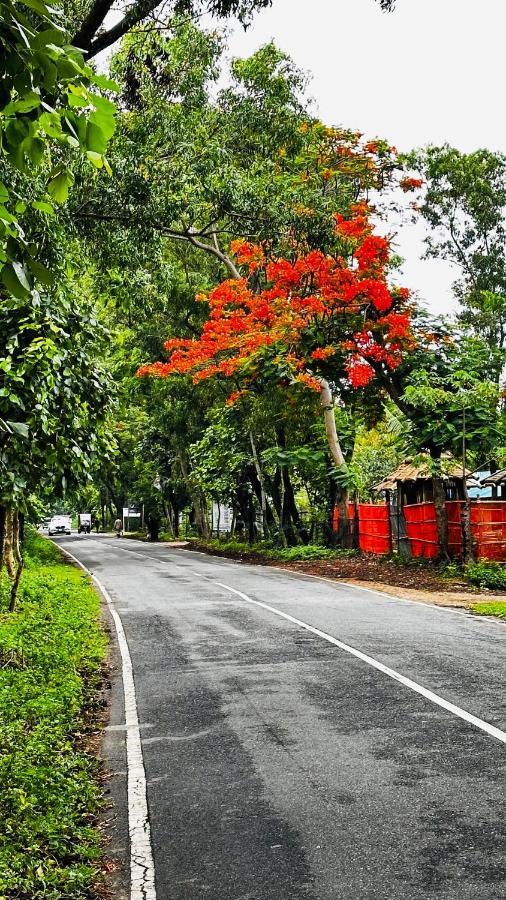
pixel 59 525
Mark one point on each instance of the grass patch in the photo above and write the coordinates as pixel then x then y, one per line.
pixel 301 553
pixel 495 608
pixel 486 574
pixel 51 649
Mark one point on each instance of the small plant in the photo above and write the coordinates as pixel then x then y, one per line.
pixel 307 553
pixel 486 574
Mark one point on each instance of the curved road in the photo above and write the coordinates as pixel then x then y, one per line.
pixel 284 762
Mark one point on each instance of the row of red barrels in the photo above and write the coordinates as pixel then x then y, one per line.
pixel 378 526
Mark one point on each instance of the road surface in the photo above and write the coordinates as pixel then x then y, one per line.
pixel 284 763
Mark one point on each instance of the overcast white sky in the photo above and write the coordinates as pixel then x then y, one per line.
pixel 431 71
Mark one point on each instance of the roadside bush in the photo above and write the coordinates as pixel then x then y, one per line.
pixel 301 553
pixel 487 574
pixel 308 553
pixel 51 649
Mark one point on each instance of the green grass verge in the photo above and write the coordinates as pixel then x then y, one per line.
pixel 301 553
pixel 51 649
pixel 494 608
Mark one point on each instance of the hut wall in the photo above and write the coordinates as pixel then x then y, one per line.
pixel 488 525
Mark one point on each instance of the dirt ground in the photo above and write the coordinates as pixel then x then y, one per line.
pixel 418 581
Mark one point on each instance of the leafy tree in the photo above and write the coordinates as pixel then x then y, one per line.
pixel 464 203
pixel 54 399
pixel 93 36
pixel 301 323
pixel 49 112
pixel 254 162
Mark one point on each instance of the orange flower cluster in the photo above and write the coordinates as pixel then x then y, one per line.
pixel 410 184
pixel 314 315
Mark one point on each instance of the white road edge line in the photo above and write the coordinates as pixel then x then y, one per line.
pixel 142 869
pixel 407 682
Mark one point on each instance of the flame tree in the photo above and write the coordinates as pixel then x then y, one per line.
pixel 315 320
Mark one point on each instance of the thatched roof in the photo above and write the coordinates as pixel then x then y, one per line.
pixel 420 471
pixel 496 479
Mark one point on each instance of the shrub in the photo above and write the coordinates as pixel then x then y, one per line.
pixel 486 574
pixel 307 553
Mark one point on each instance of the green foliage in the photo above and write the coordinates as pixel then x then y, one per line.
pixel 464 203
pixel 452 394
pixel 497 608
pixel 487 574
pixel 52 383
pixel 51 649
pixel 238 549
pixel 308 553
pixel 49 109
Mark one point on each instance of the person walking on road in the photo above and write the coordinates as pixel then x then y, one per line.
pixel 118 527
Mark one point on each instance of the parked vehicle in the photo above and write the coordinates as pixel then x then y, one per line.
pixel 84 523
pixel 60 525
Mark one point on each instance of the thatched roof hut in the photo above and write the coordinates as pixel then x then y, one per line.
pixel 413 479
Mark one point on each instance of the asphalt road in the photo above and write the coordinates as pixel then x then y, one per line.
pixel 280 766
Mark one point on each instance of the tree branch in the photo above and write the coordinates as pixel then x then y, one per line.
pixel 96 15
pixel 87 38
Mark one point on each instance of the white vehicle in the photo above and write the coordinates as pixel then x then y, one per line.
pixel 60 525
pixel 84 523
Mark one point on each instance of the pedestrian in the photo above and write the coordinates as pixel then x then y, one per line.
pixel 118 527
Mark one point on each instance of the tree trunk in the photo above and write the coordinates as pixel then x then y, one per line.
pixel 11 552
pixel 257 490
pixel 300 532
pixel 261 481
pixel 2 535
pixel 8 548
pixel 343 534
pixel 196 498
pixel 441 517
pixel 278 500
pixel 330 424
pixel 467 534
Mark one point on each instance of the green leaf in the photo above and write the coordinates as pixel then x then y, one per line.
pixel 50 36
pixel 58 187
pixel 105 84
pixel 96 140
pixel 41 273
pixel 15 280
pixel 20 428
pixel 41 8
pixel 44 207
pixel 96 159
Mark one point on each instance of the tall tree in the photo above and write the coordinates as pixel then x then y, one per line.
pixel 464 203
pixel 93 34
pixel 302 322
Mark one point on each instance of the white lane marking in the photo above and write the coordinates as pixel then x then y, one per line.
pixel 473 618
pixel 142 869
pixel 407 682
